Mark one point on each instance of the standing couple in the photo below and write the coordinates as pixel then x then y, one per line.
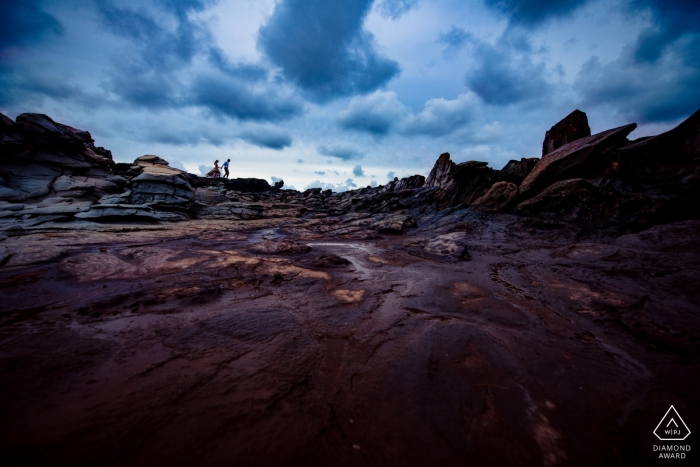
pixel 216 173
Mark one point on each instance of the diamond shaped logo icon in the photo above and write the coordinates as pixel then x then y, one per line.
pixel 672 427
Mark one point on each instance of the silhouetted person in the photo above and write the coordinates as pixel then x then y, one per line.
pixel 215 173
pixel 225 166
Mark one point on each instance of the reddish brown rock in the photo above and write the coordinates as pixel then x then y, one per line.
pixel 498 197
pixel 522 167
pixel 563 163
pixel 464 183
pixel 572 127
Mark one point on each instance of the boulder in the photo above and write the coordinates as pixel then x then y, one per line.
pixel 161 186
pixel 571 200
pixel 466 182
pixel 572 127
pixel 210 195
pixel 498 197
pixel 574 159
pixel 521 168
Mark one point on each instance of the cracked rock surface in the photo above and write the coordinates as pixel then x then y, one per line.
pixel 274 342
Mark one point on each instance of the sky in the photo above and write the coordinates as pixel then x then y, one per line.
pixel 343 94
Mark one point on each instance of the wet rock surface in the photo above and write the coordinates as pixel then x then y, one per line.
pixel 264 342
pixel 543 314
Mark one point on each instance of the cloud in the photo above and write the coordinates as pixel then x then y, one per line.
pixel 454 39
pixel 204 169
pixel 441 117
pixel 506 73
pixel 319 172
pixel 373 183
pixel 357 171
pixel 534 12
pixel 381 113
pixel 177 164
pixel 376 114
pixel 162 41
pixel 338 187
pixel 321 46
pixel 31 84
pixel 267 138
pixel 23 22
pixel 672 20
pixel 244 71
pixel 345 153
pixel 660 91
pixel 275 179
pixel 395 9
pixel 300 161
pixel 391 175
pixel 184 136
pixel 230 97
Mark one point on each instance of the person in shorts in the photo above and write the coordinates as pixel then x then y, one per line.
pixel 225 166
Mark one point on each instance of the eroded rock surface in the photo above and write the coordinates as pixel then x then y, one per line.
pixel 266 342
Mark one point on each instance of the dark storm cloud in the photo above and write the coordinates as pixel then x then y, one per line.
pixel 533 12
pixel 267 138
pixel 376 114
pixel 320 46
pixel 341 152
pixel 25 21
pixel 506 73
pixel 163 40
pixel 454 39
pixel 395 9
pixel 665 90
pixel 184 137
pixel 158 42
pixel 673 19
pixel 30 85
pixel 233 98
pixel 246 71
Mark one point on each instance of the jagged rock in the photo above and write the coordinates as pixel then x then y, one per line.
pixel 278 185
pixel 211 195
pixel 572 127
pixel 573 199
pixel 466 182
pixel 521 168
pixel 498 197
pixel 408 183
pixel 312 191
pixel 573 159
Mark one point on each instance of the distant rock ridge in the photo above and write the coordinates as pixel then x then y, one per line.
pixel 51 172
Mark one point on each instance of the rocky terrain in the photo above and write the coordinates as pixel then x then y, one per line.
pixel 541 314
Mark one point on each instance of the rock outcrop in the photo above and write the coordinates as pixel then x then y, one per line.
pixel 521 168
pixel 577 157
pixel 572 127
pixel 466 182
pixel 41 158
pixel 52 172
